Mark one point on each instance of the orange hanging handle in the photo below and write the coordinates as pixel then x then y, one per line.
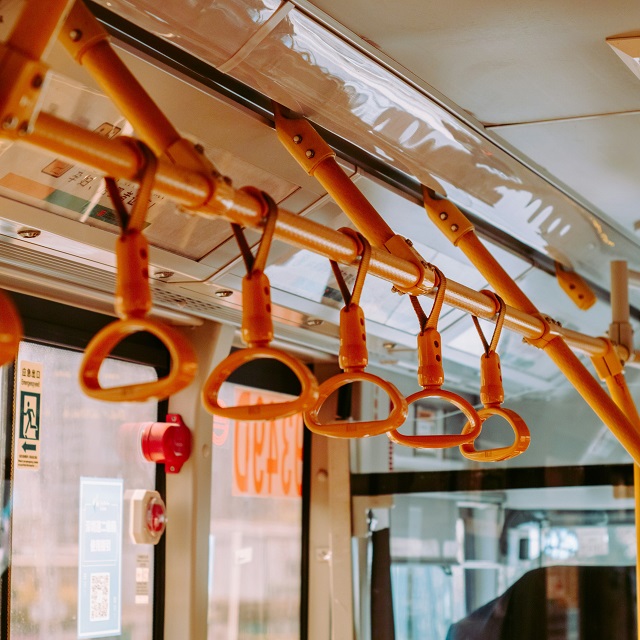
pixel 257 333
pixel 492 397
pixel 431 378
pixel 353 359
pixel 10 330
pixel 132 304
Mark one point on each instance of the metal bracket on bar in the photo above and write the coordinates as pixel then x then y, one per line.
pixel 302 141
pixel 403 248
pixel 620 329
pixel 446 216
pixel 547 334
pixel 20 90
pixel 609 364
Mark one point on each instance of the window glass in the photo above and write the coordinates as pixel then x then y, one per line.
pixel 256 511
pixel 62 440
pixel 564 431
pixel 516 564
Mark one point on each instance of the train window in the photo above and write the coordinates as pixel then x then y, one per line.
pixel 554 559
pixel 256 523
pixel 550 410
pixel 75 572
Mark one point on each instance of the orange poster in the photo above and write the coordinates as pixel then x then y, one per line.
pixel 267 455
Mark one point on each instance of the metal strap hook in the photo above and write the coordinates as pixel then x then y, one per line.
pixel 257 332
pixel 353 359
pixel 492 396
pixel 431 377
pixel 492 346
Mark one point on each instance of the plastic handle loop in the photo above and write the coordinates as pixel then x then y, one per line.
pixel 520 443
pixel 492 396
pixel 431 378
pixel 219 375
pixel 257 333
pixel 364 429
pixel 183 362
pixel 132 304
pixel 470 431
pixel 10 330
pixel 353 358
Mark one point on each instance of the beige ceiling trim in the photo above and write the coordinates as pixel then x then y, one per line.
pixel 588 116
pixel 276 18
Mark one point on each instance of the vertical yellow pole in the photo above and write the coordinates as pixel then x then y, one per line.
pixel 619 390
pixel 621 331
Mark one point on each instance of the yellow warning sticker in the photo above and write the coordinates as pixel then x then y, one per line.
pixel 29 413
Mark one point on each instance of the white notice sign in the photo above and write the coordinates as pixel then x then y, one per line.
pixel 29 412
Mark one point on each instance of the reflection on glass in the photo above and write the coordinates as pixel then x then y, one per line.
pixel 256 510
pixel 78 437
pixel 553 416
pixel 550 563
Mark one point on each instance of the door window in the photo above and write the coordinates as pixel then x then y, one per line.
pixel 74 570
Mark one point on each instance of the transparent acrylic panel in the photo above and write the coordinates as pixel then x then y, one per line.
pixel 256 526
pixel 73 437
pixel 320 74
pixel 211 30
pixel 54 184
pixel 317 73
pixel 516 564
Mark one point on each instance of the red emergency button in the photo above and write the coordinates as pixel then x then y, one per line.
pixel 156 517
pixel 167 443
pixel 148 518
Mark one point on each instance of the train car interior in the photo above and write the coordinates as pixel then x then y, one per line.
pixel 317 320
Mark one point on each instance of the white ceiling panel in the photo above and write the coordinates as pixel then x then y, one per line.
pixel 505 62
pixel 597 157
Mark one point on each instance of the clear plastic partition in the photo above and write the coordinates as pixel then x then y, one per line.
pixel 303 65
pixel 50 183
pixel 256 524
pixel 212 30
pixel 74 571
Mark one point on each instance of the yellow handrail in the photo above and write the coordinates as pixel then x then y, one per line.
pixel 492 397
pixel 133 303
pixel 353 359
pixel 209 194
pixel 257 333
pixel 431 379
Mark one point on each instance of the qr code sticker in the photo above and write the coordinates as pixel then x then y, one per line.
pixel 99 589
